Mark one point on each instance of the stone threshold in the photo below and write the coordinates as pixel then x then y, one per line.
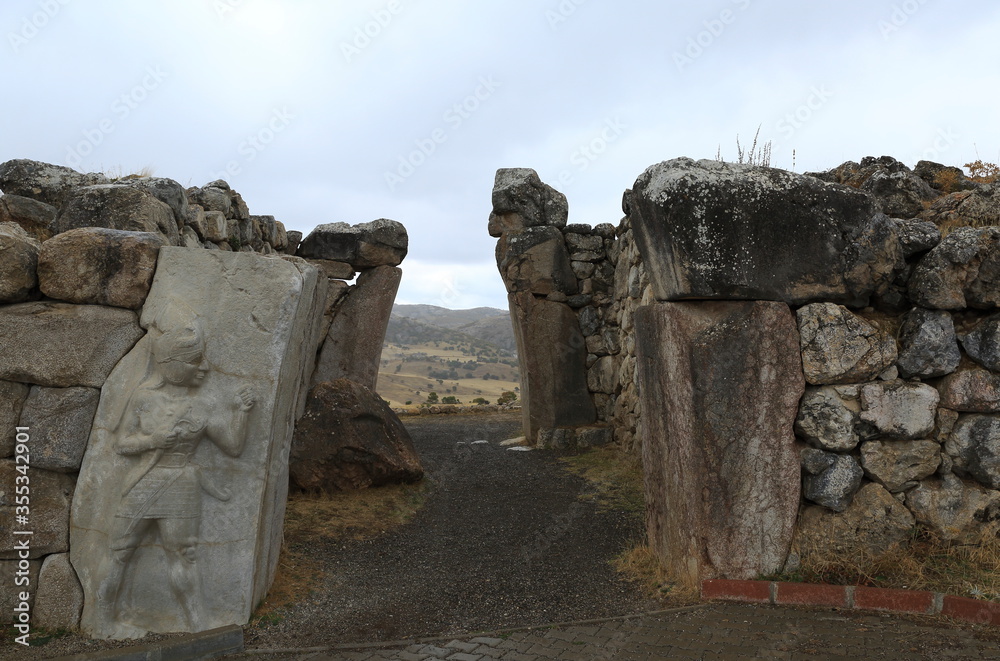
pixel 852 597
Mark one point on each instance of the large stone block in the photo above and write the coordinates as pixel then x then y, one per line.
pixel 20 578
pixel 840 347
pixel 12 396
pixel 899 409
pixel 49 496
pixel 91 340
pixel 535 260
pixel 353 345
pixel 44 182
pixel 350 439
pixel 553 358
pixel 381 242
pixel 709 229
pixel 118 207
pixel 521 199
pixel 36 218
pixel 59 598
pixel 99 266
pixel 60 420
pixel 18 264
pixel 178 514
pixel 720 385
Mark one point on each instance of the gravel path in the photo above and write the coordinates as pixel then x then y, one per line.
pixel 503 540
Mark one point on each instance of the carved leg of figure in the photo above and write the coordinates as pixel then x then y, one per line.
pixel 127 536
pixel 180 539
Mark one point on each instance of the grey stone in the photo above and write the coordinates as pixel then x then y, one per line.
pixel 928 347
pixel 209 225
pixel 603 376
pixel 973 390
pixel 92 339
pixel 36 218
pixel 189 238
pixel 974 446
pixel 99 266
pixel 59 599
pixel 916 236
pixel 962 271
pixel 953 509
pixel 900 193
pixel 592 437
pixel 18 264
pixel 12 396
pixel 721 470
pixel 831 479
pixel 50 184
pixel 167 191
pixel 828 419
pixel 118 207
pixel 294 238
pixel 211 198
pixel 841 347
pixel 60 420
pixel 899 409
pixel 535 260
pixel 48 518
pixel 708 229
pixel 982 343
pixel 871 524
pixel 381 242
pixel 589 321
pixel 353 345
pixel 582 243
pixel 177 517
pixel 521 200
pixel 898 465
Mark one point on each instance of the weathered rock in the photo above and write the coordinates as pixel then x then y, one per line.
pixel 962 271
pixel 708 229
pixel 718 451
pixel 12 396
pixel 972 390
pixel 831 479
pixel 943 178
pixel 353 345
pixel 535 260
pixel 294 238
pixel 381 242
pixel 521 200
pixel 59 599
pixel 916 236
pixel 18 264
pixel 211 198
pixel 178 512
pixel 982 343
pixel 209 225
pixel 978 207
pixel 840 347
pixel 350 439
pixel 118 207
pixel 36 218
pixel 898 409
pixel 189 238
pixel 872 523
pixel 99 266
pixel 899 191
pixel 333 270
pixel 828 419
pixel 953 509
pixel 167 191
pixel 60 421
pixel 897 465
pixel 553 358
pixel 603 376
pixel 928 347
pixel 974 447
pixel 50 184
pixel 48 521
pixel 91 340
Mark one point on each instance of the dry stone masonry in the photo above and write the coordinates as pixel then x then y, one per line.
pixel 161 345
pixel 803 362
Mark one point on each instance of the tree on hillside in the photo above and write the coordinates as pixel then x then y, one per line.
pixel 507 397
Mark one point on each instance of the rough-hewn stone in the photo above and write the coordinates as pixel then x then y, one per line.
pixel 535 260
pixel 719 458
pixel 953 509
pixel 59 598
pixel 972 390
pixel 927 344
pixel 831 479
pixel 841 347
pixel 60 420
pixel 974 447
pixel 36 218
pixel 48 521
pixel 167 191
pixel 709 229
pixel 350 439
pixel 982 343
pixel 521 199
pixel 18 264
pixel 44 182
pixel 118 207
pixel 872 523
pixel 381 242
pixel 99 266
pixel 209 225
pixel 962 271
pixel 12 396
pixel 828 418
pixel 899 409
pixel 897 465
pixel 916 236
pixel 91 340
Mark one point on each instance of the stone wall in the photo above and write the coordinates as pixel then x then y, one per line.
pixel 883 285
pixel 79 254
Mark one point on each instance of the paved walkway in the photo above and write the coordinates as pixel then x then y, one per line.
pixel 714 631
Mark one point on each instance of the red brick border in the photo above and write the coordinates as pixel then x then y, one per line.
pixel 859 598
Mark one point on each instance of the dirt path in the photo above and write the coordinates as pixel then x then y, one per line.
pixel 503 540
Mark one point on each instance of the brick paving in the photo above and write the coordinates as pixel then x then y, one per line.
pixel 718 631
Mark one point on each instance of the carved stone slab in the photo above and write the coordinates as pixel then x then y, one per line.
pixel 177 518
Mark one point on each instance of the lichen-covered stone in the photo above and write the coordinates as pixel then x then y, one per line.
pixel 118 207
pixel 841 347
pixel 953 509
pixel 982 343
pixel 974 446
pixel 44 182
pixel 535 260
pixel 831 479
pixel 521 200
pixel 899 409
pixel 928 346
pixel 872 523
pixel 18 264
pixel 898 465
pixel 36 218
pixel 974 390
pixel 828 419
pixel 381 242
pixel 962 271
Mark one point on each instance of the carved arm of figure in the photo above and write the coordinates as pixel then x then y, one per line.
pixel 231 439
pixel 142 431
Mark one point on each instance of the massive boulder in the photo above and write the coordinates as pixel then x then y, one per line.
pixel 962 271
pixel 18 264
pixel 99 266
pixel 522 200
pixel 721 468
pixel 119 207
pixel 708 229
pixel 381 242
pixel 841 347
pixel 51 184
pixel 350 439
pixel 536 260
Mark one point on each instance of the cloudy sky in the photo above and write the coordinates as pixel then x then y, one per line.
pixel 332 111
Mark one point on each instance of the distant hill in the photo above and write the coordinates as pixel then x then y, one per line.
pixel 445 318
pixel 490 325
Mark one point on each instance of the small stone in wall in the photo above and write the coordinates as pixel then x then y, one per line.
pixel 953 509
pixel 828 418
pixel 873 522
pixel 974 446
pixel 973 390
pixel 897 465
pixel 916 236
pixel 18 264
pixel 841 347
pixel 899 409
pixel 962 271
pixel 831 479
pixel 928 346
pixel 982 344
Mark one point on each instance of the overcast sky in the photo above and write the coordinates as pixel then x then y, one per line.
pixel 331 111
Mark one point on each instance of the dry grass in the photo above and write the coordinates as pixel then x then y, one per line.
pixel 640 565
pixel 312 520
pixel 615 478
pixel 982 172
pixel 969 568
